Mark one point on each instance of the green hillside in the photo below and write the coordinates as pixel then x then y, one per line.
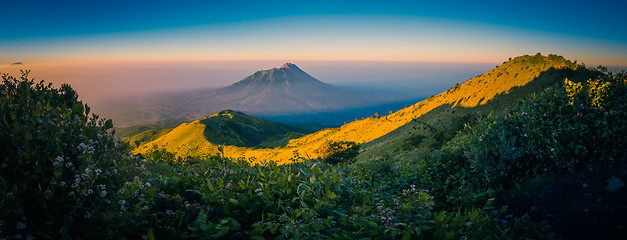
pixel 146 136
pixel 235 128
pixel 206 136
pixel 128 132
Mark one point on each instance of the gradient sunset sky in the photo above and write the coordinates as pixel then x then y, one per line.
pixel 79 31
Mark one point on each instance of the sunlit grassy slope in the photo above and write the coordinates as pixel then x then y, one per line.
pixel 432 129
pixel 188 139
pixel 226 128
pixel 146 136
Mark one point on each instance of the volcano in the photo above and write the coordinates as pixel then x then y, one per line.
pixel 276 92
pixel 284 90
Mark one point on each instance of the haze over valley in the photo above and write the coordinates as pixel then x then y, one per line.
pixel 114 90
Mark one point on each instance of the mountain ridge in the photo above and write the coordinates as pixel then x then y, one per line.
pixel 226 128
pixel 515 73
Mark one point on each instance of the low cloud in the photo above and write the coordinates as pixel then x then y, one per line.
pixel 17 63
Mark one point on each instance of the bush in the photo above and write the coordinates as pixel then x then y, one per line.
pixel 60 169
pixel 561 130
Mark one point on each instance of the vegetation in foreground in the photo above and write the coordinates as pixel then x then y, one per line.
pixel 64 176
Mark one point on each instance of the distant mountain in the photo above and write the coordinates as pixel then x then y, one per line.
pixel 431 121
pixel 284 90
pixel 287 90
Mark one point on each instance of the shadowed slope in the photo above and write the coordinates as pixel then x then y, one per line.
pixel 238 129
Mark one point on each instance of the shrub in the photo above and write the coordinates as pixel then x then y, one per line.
pixel 563 129
pixel 59 169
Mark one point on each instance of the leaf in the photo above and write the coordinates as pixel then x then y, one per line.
pixel 330 194
pixel 232 223
pixel 257 237
pixel 57 172
pixel 108 124
pixel 373 225
pixel 440 217
pixel 222 232
pixel 450 235
pixel 210 186
pixel 152 192
pixel 233 201
pixel 28 135
pixel 151 236
pixel 307 215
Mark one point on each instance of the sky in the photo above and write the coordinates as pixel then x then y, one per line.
pixel 127 45
pixel 447 31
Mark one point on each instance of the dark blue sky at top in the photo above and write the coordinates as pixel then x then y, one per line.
pixel 44 18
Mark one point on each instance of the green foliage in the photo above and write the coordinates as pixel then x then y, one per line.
pixel 339 152
pixel 563 129
pixel 501 158
pixel 60 169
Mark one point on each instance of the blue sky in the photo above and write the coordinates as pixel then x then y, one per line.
pixel 451 31
pixel 110 49
pixel 31 18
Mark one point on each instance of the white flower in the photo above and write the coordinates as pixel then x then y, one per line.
pixel 58 160
pixel 20 226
